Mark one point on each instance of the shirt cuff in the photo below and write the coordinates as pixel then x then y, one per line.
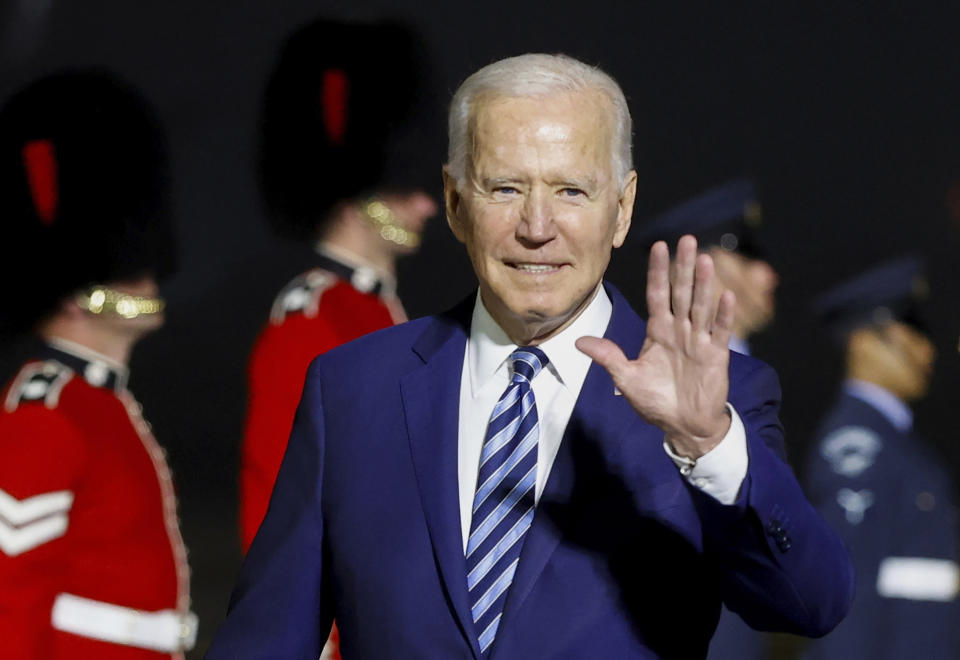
pixel 721 471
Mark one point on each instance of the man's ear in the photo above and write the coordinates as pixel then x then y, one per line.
pixel 625 208
pixel 451 200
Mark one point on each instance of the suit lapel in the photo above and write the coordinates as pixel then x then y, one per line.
pixel 431 403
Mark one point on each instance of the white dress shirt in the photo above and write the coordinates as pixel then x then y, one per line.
pixel 487 372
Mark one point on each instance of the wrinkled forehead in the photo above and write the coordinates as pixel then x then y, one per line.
pixel 582 118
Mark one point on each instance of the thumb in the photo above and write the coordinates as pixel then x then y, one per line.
pixel 605 353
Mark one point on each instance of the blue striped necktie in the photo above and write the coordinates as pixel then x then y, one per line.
pixel 504 501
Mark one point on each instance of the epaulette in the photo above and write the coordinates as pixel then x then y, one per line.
pixel 302 294
pixel 38 381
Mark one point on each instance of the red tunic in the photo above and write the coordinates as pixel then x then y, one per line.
pixel 317 311
pixel 87 515
pixel 314 313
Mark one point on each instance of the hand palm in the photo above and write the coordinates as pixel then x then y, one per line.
pixel 679 381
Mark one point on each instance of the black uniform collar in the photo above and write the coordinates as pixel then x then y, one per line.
pixel 362 277
pixel 96 369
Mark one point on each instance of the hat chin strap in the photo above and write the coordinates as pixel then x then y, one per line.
pixel 383 219
pixel 102 300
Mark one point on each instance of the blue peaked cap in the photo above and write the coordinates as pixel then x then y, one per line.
pixel 892 290
pixel 726 215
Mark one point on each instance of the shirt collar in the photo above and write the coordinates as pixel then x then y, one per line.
pixel 887 404
pixel 361 275
pixel 489 346
pixel 739 345
pixel 95 368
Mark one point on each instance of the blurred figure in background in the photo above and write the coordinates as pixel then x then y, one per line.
pixel 878 484
pixel 92 564
pixel 726 220
pixel 331 174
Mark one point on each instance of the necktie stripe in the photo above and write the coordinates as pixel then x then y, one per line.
pixel 510 397
pixel 504 435
pixel 497 589
pixel 528 444
pixel 486 637
pixel 496 516
pixel 496 553
pixel 504 503
pixel 496 425
pixel 530 360
pixel 519 444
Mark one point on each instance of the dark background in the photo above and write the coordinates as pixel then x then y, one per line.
pixel 847 116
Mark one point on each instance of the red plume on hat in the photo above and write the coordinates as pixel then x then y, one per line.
pixel 331 110
pixel 40 163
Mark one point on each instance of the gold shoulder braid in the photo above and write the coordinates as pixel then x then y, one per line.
pixel 380 215
pixel 100 299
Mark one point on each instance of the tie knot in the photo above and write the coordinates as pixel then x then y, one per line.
pixel 527 362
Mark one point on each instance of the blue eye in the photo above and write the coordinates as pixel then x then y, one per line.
pixel 507 190
pixel 572 192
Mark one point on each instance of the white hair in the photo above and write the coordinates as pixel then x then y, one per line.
pixel 531 75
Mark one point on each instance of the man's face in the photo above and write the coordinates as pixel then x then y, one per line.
pixel 540 210
pixel 754 282
pixel 906 360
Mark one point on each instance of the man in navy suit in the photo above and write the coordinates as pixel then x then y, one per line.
pixel 637 478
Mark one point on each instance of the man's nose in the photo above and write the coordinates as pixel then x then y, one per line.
pixel 536 218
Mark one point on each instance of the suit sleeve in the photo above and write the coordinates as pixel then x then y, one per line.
pixel 778 564
pixel 43 460
pixel 281 606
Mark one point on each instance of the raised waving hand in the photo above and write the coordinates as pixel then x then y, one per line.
pixel 679 382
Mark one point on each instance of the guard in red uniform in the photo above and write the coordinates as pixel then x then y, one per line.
pixel 329 116
pixel 92 564
pixel 331 172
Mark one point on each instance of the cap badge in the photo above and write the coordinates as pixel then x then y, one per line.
pixel 753 213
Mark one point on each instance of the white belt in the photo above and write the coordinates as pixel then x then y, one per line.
pixel 918 578
pixel 165 630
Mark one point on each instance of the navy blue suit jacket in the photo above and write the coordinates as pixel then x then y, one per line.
pixel 624 559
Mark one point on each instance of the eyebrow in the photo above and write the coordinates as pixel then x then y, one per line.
pixel 494 182
pixel 586 183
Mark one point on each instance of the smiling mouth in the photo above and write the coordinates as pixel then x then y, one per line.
pixel 535 268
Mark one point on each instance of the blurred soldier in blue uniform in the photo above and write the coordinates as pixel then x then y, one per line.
pixel 878 484
pixel 726 221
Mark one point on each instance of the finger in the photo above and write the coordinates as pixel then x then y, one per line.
pixel 658 280
pixel 605 353
pixel 703 307
pixel 723 323
pixel 682 290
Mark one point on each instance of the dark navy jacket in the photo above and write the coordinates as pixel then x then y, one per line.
pixel 889 499
pixel 624 559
